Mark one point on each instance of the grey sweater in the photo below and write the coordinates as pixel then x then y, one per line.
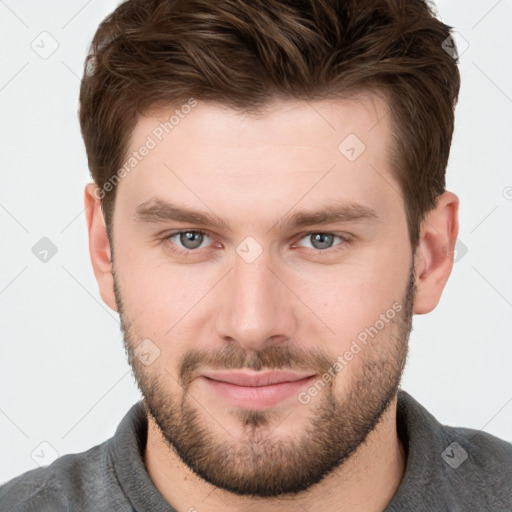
pixel 448 469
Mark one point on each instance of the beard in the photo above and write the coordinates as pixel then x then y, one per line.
pixel 258 463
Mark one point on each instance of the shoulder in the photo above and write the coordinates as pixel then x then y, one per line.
pixel 86 481
pixel 53 488
pixel 478 457
pixel 477 470
pixel 451 468
pixel 37 489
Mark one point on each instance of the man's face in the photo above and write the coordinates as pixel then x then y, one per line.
pixel 319 309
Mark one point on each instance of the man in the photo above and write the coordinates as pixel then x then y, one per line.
pixel 268 212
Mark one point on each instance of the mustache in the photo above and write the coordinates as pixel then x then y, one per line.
pixel 274 357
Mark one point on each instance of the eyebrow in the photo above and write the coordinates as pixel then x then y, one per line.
pixel 156 210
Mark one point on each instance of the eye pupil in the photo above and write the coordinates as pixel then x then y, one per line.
pixel 324 239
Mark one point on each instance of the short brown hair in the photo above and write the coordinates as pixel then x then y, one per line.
pixel 149 54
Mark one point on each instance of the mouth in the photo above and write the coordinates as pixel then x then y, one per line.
pixel 256 390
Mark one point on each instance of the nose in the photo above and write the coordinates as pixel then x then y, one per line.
pixel 256 309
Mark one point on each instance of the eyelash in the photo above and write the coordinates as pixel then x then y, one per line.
pixel 345 239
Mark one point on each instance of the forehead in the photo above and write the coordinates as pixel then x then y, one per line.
pixel 279 123
pixel 292 151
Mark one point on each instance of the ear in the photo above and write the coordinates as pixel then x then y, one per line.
pixel 99 245
pixel 434 255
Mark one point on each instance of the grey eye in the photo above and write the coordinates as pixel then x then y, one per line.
pixel 321 241
pixel 190 239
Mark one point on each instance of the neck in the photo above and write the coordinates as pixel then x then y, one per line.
pixel 366 482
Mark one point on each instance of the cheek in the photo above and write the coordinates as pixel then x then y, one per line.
pixel 158 295
pixel 356 296
pixel 363 312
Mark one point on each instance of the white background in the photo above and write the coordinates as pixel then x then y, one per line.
pixel 64 378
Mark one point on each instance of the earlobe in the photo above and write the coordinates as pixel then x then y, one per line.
pixel 434 255
pixel 99 246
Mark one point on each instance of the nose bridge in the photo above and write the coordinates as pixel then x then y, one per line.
pixel 255 307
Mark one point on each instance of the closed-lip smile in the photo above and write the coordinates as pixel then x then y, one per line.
pixel 255 390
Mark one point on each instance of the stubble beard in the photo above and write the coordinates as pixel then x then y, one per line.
pixel 260 463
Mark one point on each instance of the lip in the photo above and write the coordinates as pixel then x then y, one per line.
pixel 256 390
pixel 256 379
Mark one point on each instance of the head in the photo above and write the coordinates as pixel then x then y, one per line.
pixel 301 151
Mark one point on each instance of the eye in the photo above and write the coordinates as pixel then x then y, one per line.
pixel 187 240
pixel 321 241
